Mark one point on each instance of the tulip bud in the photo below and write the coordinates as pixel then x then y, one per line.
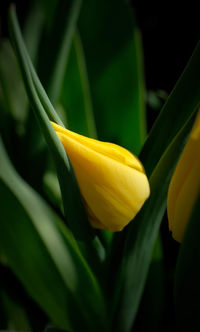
pixel 185 184
pixel 111 179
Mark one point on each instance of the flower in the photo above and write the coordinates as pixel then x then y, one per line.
pixel 111 179
pixel 185 184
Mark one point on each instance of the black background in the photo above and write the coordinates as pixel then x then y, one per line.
pixel 170 31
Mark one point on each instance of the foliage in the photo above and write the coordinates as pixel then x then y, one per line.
pixel 88 76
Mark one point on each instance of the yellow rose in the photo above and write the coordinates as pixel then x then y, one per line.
pixel 185 184
pixel 112 180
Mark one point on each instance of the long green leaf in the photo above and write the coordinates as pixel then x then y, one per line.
pixel 48 9
pixel 182 102
pixel 142 233
pixel 12 93
pixel 15 125
pixel 73 206
pixel 68 27
pixel 56 46
pixel 112 47
pixel 154 293
pixel 75 95
pixel 139 236
pixel 33 30
pixel 187 286
pixel 48 263
pixel 52 114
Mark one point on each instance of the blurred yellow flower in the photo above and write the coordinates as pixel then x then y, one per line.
pixel 111 179
pixel 185 184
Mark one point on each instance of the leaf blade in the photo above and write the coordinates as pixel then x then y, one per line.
pixel 79 224
pixel 142 233
pixel 187 274
pixel 76 96
pixel 182 103
pixel 115 75
pixel 63 53
pixel 56 276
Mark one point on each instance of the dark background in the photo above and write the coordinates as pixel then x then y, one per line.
pixel 170 32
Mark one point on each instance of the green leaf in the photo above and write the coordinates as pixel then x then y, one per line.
pixel 112 47
pixel 33 30
pixel 49 9
pixel 15 120
pixel 187 276
pixel 68 26
pixel 151 310
pixel 52 189
pixel 45 257
pixel 73 205
pixel 13 103
pixel 181 104
pixel 56 46
pixel 12 94
pixel 159 155
pixel 141 235
pixel 75 95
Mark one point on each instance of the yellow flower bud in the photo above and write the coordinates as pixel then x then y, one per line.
pixel 185 184
pixel 111 179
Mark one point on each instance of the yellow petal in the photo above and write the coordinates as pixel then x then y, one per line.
pixel 112 181
pixel 185 184
pixel 108 149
